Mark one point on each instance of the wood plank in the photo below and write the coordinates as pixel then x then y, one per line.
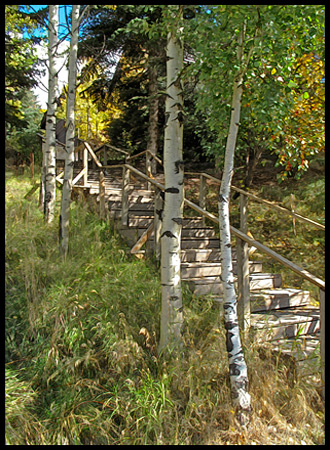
pixel 270 299
pixel 200 243
pixel 286 323
pixel 198 233
pixel 210 268
pixel 213 285
pixel 143 239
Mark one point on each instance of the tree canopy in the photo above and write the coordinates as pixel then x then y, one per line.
pixel 122 46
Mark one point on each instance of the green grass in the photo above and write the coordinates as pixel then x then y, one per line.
pixel 81 337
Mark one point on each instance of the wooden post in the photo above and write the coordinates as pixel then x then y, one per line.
pixel 148 169
pixel 202 195
pixel 158 211
pixel 105 155
pixel 124 196
pixel 322 339
pixel 244 311
pixel 85 164
pixel 293 218
pixel 102 194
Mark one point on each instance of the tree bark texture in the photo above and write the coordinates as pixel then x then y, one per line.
pixel 49 171
pixel 237 366
pixel 171 311
pixel 69 144
pixel 153 117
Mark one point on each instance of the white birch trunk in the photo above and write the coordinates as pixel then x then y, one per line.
pixel 237 366
pixel 153 119
pixel 171 311
pixel 70 125
pixel 49 169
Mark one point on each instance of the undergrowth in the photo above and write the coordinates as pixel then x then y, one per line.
pixel 81 360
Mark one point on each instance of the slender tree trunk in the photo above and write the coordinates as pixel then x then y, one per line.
pixel 237 365
pixel 251 165
pixel 49 180
pixel 153 116
pixel 171 311
pixel 69 145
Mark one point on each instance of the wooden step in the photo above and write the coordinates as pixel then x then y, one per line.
pixel 206 232
pixel 270 299
pixel 199 243
pixel 301 348
pixel 205 269
pixel 213 285
pixel 288 323
pixel 201 254
pixel 265 281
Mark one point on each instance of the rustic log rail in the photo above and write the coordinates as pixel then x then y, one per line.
pixel 243 239
pixel 268 203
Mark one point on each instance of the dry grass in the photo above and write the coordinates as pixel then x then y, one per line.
pixel 81 367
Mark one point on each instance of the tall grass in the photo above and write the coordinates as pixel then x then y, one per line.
pixel 81 337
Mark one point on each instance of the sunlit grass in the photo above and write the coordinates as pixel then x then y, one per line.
pixel 81 339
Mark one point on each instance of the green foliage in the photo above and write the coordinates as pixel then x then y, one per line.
pixel 22 138
pixel 277 35
pixel 20 62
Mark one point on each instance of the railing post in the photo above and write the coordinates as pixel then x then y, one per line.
pixel 158 211
pixel 124 197
pixel 148 169
pixel 85 164
pixel 202 195
pixel 244 311
pixel 322 339
pixel 105 155
pixel 102 194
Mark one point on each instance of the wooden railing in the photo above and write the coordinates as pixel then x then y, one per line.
pixel 203 193
pixel 243 240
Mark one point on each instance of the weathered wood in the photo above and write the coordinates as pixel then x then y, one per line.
pixel 94 157
pixel 85 165
pixel 269 299
pixel 143 239
pixel 102 194
pixel 212 268
pixel 243 306
pixel 77 178
pixel 202 194
pixel 265 202
pixel 287 323
pixel 212 284
pixel 31 191
pixel 124 201
pixel 158 212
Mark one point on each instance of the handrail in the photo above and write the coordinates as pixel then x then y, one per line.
pixel 244 237
pixel 129 158
pixel 264 201
pixel 91 152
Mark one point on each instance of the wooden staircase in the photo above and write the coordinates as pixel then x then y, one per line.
pixel 283 315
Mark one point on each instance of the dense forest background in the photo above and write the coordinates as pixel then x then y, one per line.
pixel 122 80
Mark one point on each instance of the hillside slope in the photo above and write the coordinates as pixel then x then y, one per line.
pixel 81 365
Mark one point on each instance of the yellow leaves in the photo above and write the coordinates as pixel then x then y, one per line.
pixel 273 71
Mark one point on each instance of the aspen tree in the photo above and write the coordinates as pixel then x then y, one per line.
pixel 70 124
pixel 237 365
pixel 171 310
pixel 49 160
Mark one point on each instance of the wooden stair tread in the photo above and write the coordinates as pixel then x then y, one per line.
pixel 278 313
pixel 270 299
pixel 287 323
